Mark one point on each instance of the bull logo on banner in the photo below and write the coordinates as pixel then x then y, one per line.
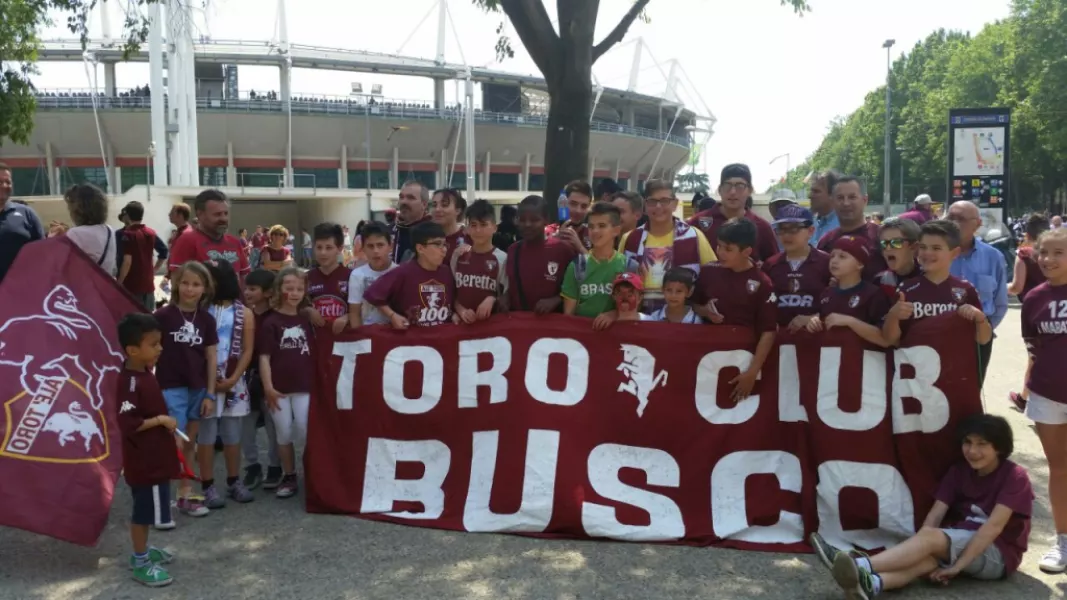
pixel 62 392
pixel 639 367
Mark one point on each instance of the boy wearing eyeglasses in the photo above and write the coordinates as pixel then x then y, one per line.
pixel 735 188
pixel 419 292
pixel 799 273
pixel 898 239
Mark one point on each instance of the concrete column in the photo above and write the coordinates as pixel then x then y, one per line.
pixel 628 115
pixel 486 169
pixel 592 171
pixel 442 170
pixel 615 171
pixel 116 180
pixel 283 84
pixel 50 164
pixel 394 170
pixel 342 173
pixel 110 87
pixel 524 183
pixel 631 181
pixel 231 171
pixel 439 94
pixel 113 172
pixel 661 123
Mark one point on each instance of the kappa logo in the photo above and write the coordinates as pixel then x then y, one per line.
pixel 64 358
pixel 639 367
pixel 293 338
pixel 126 407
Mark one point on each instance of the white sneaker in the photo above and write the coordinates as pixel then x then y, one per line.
pixel 1055 560
pixel 166 526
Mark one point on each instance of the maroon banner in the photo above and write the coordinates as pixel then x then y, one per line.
pixel 59 365
pixel 541 426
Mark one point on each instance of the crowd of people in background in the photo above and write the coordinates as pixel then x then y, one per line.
pixel 230 348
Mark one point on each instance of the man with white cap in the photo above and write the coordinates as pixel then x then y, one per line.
pixel 920 213
pixel 780 198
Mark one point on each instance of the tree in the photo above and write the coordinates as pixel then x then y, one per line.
pixel 565 59
pixel 692 182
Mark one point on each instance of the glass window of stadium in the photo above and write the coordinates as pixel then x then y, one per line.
pixel 426 178
pixel 29 181
pixel 504 181
pixel 315 178
pixel 623 183
pixel 459 181
pixel 213 176
pixel 536 183
pixel 379 179
pixel 69 176
pixel 261 177
pixel 133 176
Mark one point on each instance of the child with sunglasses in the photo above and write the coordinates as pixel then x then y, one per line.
pixel 898 239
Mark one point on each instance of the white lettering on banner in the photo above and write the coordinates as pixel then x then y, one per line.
pixel 665 518
pixel 729 512
pixel 433 376
pixel 708 383
pixel 470 378
pixel 790 410
pixel 577 371
pixel 872 392
pixel 538 484
pixel 348 351
pixel 381 488
pixel 935 409
pixel 896 513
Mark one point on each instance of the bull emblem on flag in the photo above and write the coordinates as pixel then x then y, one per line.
pixel 639 367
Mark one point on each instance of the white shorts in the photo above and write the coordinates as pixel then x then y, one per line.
pixel 1042 410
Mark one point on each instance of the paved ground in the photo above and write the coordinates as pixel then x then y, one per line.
pixel 272 549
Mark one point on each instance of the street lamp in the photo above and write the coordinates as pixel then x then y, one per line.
pixel 786 156
pixel 888 45
pixel 900 151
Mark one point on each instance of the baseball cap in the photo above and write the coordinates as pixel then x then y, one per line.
pixel 631 279
pixel 855 246
pixel 794 213
pixel 736 170
pixel 924 199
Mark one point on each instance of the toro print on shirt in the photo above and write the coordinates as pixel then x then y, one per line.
pixel 434 309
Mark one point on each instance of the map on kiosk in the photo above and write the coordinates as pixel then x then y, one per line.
pixel 979 151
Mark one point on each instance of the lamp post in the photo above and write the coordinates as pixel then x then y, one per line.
pixel 888 45
pixel 786 156
pixel 148 167
pixel 290 177
pixel 901 152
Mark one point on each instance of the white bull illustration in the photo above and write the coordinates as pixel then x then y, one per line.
pixel 75 421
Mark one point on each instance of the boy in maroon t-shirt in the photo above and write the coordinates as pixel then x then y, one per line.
pixel 536 264
pixel 978 526
pixel 480 269
pixel 328 281
pixel 936 291
pixel 419 292
pixel 854 303
pixel 259 286
pixel 799 273
pixel 734 292
pixel 149 453
pixel 447 208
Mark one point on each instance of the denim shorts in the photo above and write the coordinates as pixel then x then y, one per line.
pixel 184 404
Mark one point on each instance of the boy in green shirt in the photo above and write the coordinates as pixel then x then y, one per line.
pixel 588 280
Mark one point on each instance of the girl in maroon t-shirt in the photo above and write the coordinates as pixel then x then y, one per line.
pixel 276 256
pixel 285 367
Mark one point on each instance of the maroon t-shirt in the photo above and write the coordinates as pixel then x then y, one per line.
pixel 286 339
pixel 424 297
pixel 933 299
pixel 866 302
pixel 889 280
pixel 535 271
pixel 186 338
pixel 455 240
pixel 329 293
pixel 177 233
pixel 259 240
pixel 798 285
pixel 198 246
pixel 139 243
pixel 971 499
pixel 1034 276
pixel 582 229
pixel 744 299
pixel 869 231
pixel 275 254
pixel 149 457
pixel 1044 318
pixel 712 219
pixel 478 276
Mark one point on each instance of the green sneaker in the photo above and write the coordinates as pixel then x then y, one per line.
pixel 857 583
pixel 156 556
pixel 152 575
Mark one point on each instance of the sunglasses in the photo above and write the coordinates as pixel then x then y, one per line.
pixel 895 243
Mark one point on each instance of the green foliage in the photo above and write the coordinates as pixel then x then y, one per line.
pixel 692 182
pixel 1019 63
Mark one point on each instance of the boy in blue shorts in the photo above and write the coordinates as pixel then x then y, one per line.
pixel 149 453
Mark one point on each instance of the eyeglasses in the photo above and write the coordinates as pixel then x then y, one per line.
pixel 658 201
pixel 737 186
pixel 895 243
pixel 790 229
pixel 436 243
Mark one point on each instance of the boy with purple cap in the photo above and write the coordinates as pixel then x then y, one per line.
pixel 799 273
pixel 735 189
pixel 853 303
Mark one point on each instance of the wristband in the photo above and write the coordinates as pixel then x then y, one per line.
pixel 210 397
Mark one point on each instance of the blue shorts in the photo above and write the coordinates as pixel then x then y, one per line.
pixel 151 504
pixel 184 404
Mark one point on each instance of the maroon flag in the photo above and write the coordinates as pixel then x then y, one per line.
pixel 59 362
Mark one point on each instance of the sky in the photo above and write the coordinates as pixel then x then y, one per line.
pixel 772 80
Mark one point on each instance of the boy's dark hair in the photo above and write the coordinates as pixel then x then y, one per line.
pixel 606 186
pixel 849 179
pixel 1036 224
pixel 944 229
pixel 878 216
pixel 740 232
pixel 655 185
pixel 329 231
pixel 992 429
pixel 134 326
pixel 455 198
pixel 481 210
pixel 201 200
pixel 134 210
pixel 532 202
pixel 376 228
pixel 227 288
pixel 829 177
pixel 680 275
pixel 636 202
pixel 426 231
pixel 606 208
pixel 578 187
pixel 260 278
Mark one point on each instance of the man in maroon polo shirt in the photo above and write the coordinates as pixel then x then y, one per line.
pixel 850 200
pixel 735 188
pixel 137 272
pixel 209 241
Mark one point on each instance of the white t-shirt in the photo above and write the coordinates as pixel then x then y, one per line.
pixel 96 241
pixel 307 240
pixel 690 318
pixel 358 283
